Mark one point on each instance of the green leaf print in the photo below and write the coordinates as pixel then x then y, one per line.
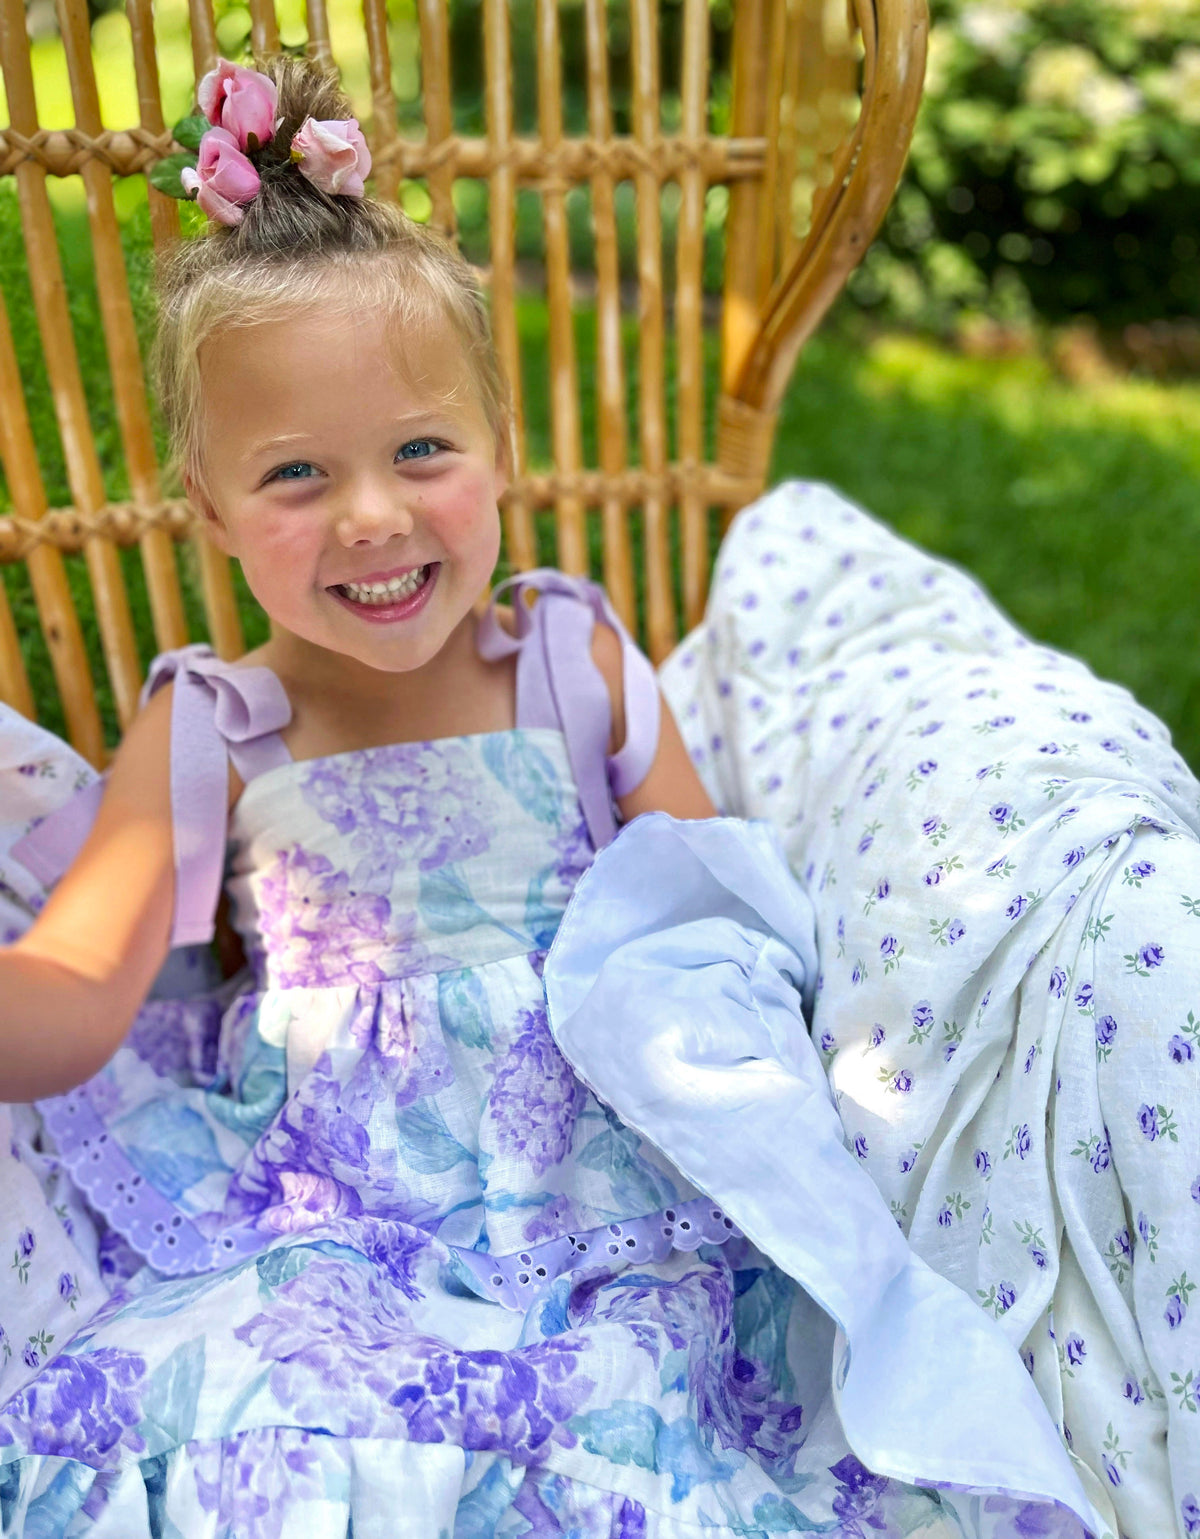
pixel 463 1006
pixel 171 1395
pixel 526 772
pixel 426 1141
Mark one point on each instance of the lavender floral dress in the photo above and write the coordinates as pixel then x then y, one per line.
pixel 379 1263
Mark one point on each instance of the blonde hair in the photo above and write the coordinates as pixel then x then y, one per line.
pixel 298 247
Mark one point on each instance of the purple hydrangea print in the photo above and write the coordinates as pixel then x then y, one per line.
pixel 320 931
pixel 84 1406
pixel 433 805
pixel 858 1497
pixel 251 1481
pixel 535 1097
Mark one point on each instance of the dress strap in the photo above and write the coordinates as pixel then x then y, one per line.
pixel 219 714
pixel 558 685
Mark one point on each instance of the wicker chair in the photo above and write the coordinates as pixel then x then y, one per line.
pixel 808 182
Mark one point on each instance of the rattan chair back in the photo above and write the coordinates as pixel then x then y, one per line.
pixel 811 145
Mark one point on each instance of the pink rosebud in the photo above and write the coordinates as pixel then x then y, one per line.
pixel 333 155
pixel 223 179
pixel 242 101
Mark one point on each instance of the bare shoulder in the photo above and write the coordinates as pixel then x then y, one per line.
pixel 144 757
pixel 140 775
pixel 609 657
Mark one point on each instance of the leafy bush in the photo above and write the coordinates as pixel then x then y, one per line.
pixel 1055 169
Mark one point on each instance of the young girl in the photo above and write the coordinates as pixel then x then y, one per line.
pixel 378 1261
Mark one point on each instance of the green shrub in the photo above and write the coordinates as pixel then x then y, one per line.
pixel 1055 168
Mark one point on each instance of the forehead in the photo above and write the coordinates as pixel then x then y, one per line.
pixel 327 361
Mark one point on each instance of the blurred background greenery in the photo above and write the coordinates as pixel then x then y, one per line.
pixel 1013 376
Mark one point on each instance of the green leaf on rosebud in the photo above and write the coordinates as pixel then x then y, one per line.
pixel 164 174
pixel 189 131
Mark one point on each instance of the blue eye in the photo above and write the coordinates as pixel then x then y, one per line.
pixel 301 470
pixel 419 449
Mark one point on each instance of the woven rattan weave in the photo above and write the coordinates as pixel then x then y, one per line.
pixel 823 102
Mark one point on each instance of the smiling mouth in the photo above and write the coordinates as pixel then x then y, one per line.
pixel 377 594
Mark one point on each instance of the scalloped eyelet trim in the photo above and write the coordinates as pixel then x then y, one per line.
pixel 515 1280
pixel 138 1211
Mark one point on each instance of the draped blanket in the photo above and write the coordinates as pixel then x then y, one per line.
pixel 1002 855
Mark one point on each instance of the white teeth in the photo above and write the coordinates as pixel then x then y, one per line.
pixel 386 592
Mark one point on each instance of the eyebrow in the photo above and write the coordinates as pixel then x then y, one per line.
pixel 266 446
pixel 271 445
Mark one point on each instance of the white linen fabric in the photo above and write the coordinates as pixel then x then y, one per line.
pixel 1002 855
pixel 49 1279
pixel 716 1068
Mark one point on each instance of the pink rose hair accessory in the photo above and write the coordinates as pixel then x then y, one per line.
pixel 241 101
pixel 333 155
pixel 224 180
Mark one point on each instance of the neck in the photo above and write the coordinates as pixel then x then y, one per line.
pixel 308 671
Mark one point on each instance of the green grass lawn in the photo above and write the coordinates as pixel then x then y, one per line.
pixel 1079 508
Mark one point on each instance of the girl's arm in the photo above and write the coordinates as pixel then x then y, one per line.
pixel 70 987
pixel 671 784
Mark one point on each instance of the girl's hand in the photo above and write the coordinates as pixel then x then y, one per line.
pixel 70 987
pixel 671 784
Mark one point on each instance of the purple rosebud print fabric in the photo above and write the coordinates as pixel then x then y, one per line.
pixel 1002 851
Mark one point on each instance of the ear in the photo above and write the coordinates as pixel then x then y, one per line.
pixel 505 458
pixel 211 519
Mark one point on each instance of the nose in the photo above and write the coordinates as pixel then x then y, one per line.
pixel 373 512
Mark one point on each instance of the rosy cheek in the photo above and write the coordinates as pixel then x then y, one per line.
pixel 460 502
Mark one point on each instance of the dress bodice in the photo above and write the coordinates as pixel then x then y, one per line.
pixel 388 1059
pixel 417 857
